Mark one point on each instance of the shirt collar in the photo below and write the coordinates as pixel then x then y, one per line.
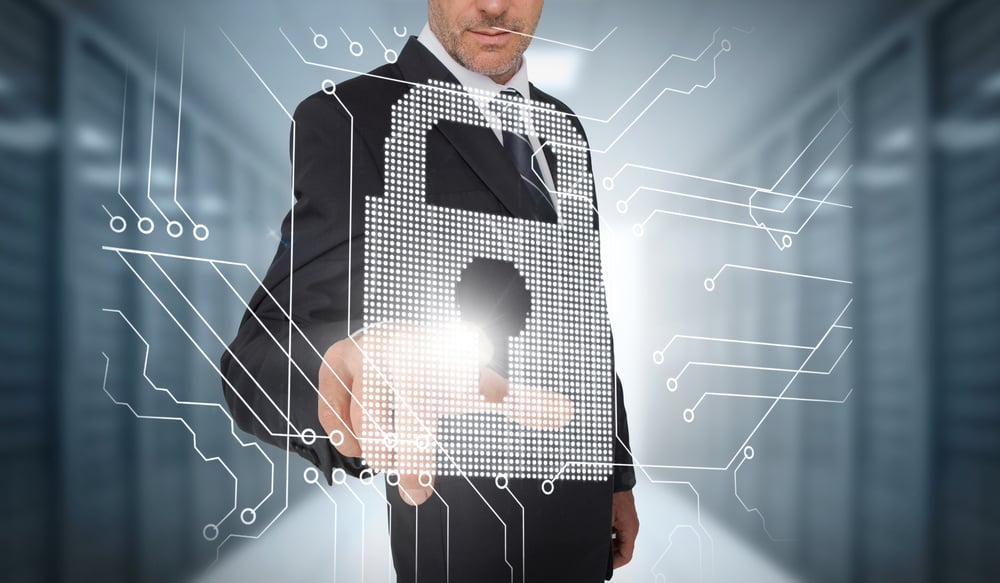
pixel 472 79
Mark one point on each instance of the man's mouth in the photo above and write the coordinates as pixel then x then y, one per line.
pixel 489 34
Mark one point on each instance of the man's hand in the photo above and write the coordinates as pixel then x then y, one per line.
pixel 625 525
pixel 357 426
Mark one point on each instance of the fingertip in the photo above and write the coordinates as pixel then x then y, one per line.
pixel 414 496
pixel 349 448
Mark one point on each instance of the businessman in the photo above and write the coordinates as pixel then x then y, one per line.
pixel 290 373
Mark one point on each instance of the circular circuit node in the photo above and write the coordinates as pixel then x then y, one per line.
pixel 726 45
pixel 425 479
pixel 248 516
pixel 328 86
pixel 688 415
pixel 200 232
pixel 658 357
pixel 308 436
pixel 786 241
pixel 501 481
pixel 622 206
pixel 146 225
pixel 175 229
pixel 356 49
pixel 392 479
pixel 548 486
pixel 637 229
pixel 366 476
pixel 390 56
pixel 339 476
pixel 671 384
pixel 748 452
pixel 608 183
pixel 118 224
pixel 310 475
pixel 319 40
pixel 709 284
pixel 210 532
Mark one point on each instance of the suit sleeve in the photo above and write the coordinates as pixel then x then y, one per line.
pixel 271 368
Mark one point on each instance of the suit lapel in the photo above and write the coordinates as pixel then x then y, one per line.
pixel 477 145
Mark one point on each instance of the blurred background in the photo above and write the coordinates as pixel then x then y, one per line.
pixel 801 227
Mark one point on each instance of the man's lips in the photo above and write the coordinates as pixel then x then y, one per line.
pixel 489 34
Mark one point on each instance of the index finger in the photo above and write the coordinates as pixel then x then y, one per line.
pixel 337 374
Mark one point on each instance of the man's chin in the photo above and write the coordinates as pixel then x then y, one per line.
pixel 491 67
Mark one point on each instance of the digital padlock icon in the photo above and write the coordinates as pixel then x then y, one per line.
pixel 422 411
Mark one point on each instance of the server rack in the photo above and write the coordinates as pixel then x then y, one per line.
pixel 892 243
pixel 917 456
pixel 966 221
pixel 90 492
pixel 97 446
pixel 28 234
pixel 825 477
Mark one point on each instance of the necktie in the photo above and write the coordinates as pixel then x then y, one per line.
pixel 519 148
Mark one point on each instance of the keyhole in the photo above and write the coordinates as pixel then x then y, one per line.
pixel 493 296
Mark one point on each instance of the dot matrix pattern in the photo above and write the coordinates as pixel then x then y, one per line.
pixel 420 380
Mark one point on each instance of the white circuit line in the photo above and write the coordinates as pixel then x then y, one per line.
pixel 256 74
pixel 209 359
pixel 121 152
pixel 182 421
pixel 548 40
pixel 715 76
pixel 754 510
pixel 180 108
pixel 769 397
pixel 523 543
pixel 363 514
pixel 780 397
pixel 232 423
pixel 295 364
pixel 152 134
pixel 731 341
pixel 804 150
pixel 715 277
pixel 789 384
pixel 745 205
pixel 774 192
pixel 670 544
pixel 762 226
pixel 765 368
pixel 214 366
pixel 336 537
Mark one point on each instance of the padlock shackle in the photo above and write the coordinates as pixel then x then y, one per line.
pixel 425 106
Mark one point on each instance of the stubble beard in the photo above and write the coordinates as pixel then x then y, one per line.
pixel 451 39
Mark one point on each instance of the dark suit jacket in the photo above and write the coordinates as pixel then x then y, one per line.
pixel 566 534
